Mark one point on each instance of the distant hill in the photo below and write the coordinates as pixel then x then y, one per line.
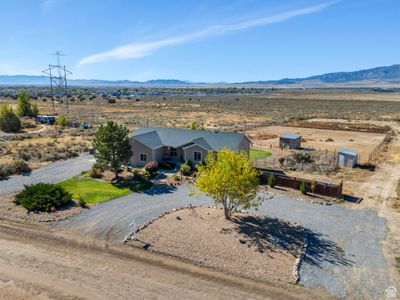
pixel 44 80
pixel 379 76
pixel 390 75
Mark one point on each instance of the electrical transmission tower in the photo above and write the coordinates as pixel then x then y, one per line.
pixel 58 80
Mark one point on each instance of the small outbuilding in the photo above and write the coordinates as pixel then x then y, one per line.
pixel 347 158
pixel 290 141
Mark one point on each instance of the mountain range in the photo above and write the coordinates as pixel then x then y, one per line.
pixel 380 76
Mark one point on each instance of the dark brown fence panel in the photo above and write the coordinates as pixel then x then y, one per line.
pixel 321 188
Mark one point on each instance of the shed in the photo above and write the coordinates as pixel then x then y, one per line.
pixel 347 158
pixel 291 141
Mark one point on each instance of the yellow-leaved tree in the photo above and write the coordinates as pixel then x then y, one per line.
pixel 230 179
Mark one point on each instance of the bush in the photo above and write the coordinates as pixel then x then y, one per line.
pixel 167 165
pixel 151 167
pixel 302 156
pixel 13 167
pixel 313 186
pixel 111 101
pixel 304 187
pixel 95 172
pixel 43 197
pixel 62 121
pixel 9 122
pixel 176 178
pixel 271 180
pixel 81 202
pixel 186 169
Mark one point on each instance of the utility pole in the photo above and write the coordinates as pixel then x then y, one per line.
pixel 58 80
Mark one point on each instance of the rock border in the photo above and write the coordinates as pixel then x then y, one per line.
pixel 299 261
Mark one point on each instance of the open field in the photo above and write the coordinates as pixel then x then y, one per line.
pixel 331 140
pixel 235 112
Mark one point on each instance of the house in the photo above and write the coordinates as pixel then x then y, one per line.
pixel 347 158
pixel 178 145
pixel 290 141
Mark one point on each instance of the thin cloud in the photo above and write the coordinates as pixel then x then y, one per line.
pixel 132 51
pixel 48 5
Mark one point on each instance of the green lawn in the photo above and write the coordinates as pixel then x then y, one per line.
pixel 257 154
pixel 95 191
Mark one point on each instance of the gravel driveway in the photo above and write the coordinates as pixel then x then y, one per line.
pixel 55 172
pixel 344 254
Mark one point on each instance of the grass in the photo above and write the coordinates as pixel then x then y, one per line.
pixel 95 191
pixel 257 154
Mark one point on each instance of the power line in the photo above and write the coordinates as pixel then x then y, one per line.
pixel 58 79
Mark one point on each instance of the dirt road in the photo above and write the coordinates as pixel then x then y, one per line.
pixel 36 264
pixel 379 193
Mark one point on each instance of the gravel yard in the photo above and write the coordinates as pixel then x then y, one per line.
pixel 344 255
pixel 256 247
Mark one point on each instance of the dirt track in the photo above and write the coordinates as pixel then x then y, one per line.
pixel 36 264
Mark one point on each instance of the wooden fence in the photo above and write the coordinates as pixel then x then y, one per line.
pixel 374 155
pixel 321 188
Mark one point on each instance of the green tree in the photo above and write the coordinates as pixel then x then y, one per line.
pixel 111 145
pixel 25 107
pixel 230 179
pixel 193 126
pixel 9 121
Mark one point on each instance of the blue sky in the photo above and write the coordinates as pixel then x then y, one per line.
pixel 199 40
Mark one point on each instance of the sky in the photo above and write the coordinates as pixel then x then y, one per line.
pixel 198 40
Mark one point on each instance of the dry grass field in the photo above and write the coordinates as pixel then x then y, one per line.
pixel 236 112
pixel 251 113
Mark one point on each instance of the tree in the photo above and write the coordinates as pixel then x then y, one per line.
pixel 193 126
pixel 111 145
pixel 230 179
pixel 25 107
pixel 9 122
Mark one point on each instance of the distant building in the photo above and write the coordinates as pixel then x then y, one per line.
pixel 51 120
pixel 290 141
pixel 347 158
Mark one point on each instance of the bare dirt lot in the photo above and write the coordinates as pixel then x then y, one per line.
pixel 35 264
pixel 249 246
pixel 320 139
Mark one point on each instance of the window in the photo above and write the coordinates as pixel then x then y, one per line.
pixel 143 157
pixel 197 156
pixel 173 152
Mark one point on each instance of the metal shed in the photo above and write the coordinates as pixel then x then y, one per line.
pixel 291 141
pixel 347 158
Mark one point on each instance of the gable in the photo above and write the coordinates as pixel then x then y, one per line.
pixel 155 137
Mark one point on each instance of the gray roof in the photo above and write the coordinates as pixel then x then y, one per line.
pixel 156 137
pixel 291 136
pixel 348 152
